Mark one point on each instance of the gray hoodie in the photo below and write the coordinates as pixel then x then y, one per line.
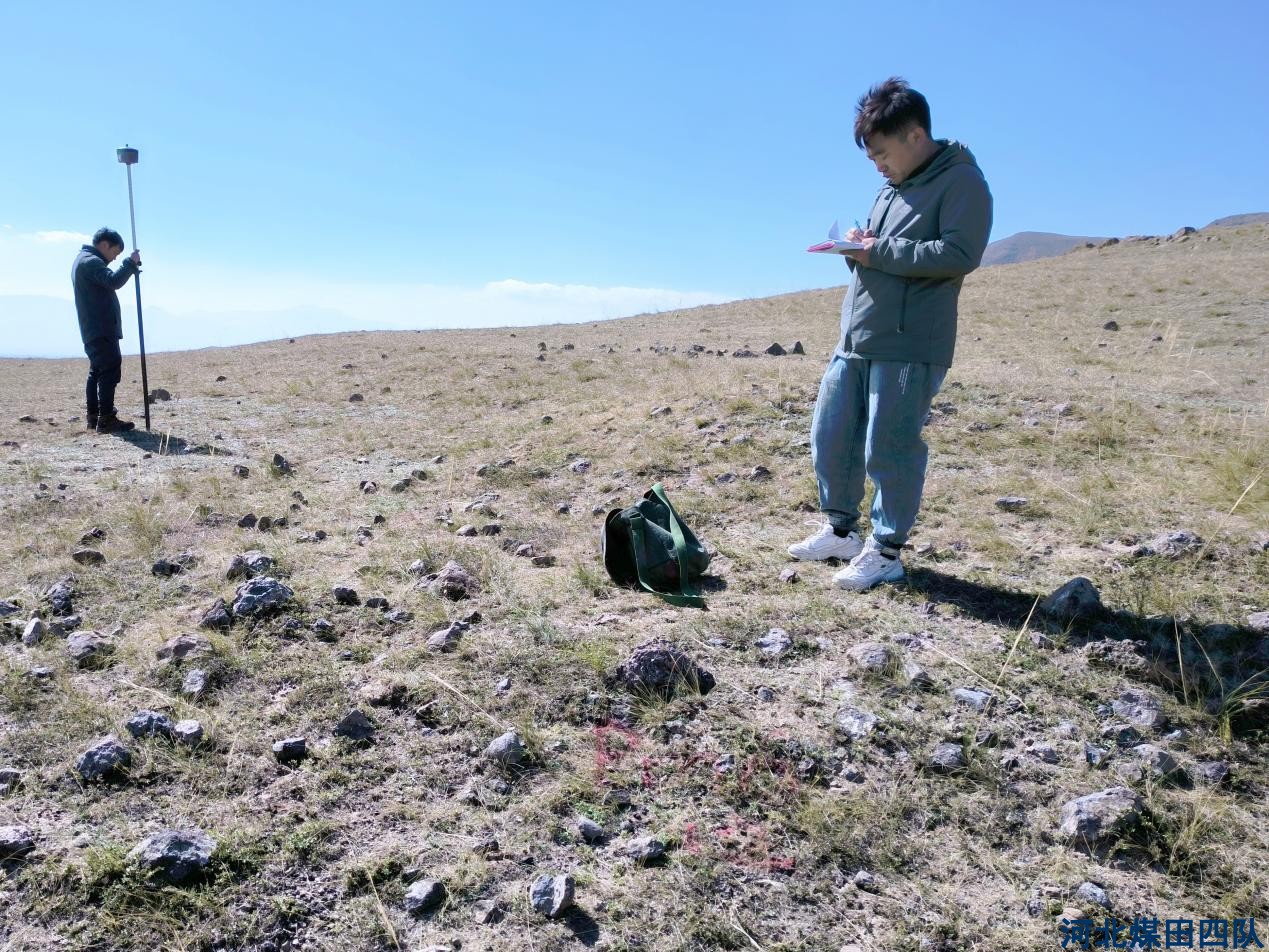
pixel 931 231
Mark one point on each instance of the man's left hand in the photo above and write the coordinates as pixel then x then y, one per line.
pixel 862 256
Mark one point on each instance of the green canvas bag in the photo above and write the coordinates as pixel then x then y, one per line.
pixel 648 546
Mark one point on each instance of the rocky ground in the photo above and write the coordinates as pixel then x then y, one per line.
pixel 327 659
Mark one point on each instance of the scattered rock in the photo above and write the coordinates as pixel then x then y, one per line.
pixel 251 564
pixel 184 647
pixel 158 394
pixel 34 632
pixel 174 856
pixel 241 472
pixel 195 684
pixel 104 759
pixel 775 643
pixel 290 750
pixel 1259 622
pixel 590 831
pixel 356 727
pixel 249 521
pixel 447 638
pixel 453 582
pixel 507 750
pixel 424 896
pixel 60 595
pixel 10 780
pixel 188 732
pixel 1092 893
pixel 917 676
pixel 1171 545
pixel 88 557
pixel 1214 772
pixel 1099 818
pixel 580 466
pixel 1123 655
pixel 657 667
pixel 789 576
pixel 1076 599
pixel 948 758
pixel 775 350
pixel 864 880
pixel 88 648
pixel 551 895
pixel 645 850
pixel 345 596
pixel 759 474
pixel 1139 709
pixel 1156 761
pixel 16 842
pixel 145 724
pixel 978 700
pixel 261 596
pixel 855 723
pixel 1011 503
pixel 873 657
pixel 217 617
pixel 1111 326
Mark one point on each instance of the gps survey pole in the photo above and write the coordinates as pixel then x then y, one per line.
pixel 131 157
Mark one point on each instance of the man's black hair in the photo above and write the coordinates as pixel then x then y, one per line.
pixel 889 108
pixel 110 235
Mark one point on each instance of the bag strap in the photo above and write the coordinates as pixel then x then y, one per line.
pixel 688 593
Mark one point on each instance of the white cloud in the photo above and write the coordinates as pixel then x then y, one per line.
pixel 61 237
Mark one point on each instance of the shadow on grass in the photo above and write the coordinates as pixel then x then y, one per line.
pixel 165 444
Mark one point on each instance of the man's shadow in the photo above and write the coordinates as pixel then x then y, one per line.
pixel 166 444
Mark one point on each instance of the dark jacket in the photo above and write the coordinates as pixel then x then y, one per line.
pixel 95 298
pixel 931 231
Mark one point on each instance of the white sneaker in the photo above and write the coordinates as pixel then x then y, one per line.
pixel 869 568
pixel 826 544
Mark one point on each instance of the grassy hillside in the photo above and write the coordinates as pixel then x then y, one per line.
pixel 1120 391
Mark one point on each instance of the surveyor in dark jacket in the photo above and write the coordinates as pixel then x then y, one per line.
pixel 927 229
pixel 101 325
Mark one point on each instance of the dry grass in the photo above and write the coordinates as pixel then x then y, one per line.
pixel 1160 434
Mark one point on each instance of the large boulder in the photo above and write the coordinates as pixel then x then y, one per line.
pixel 658 667
pixel 174 856
pixel 1099 819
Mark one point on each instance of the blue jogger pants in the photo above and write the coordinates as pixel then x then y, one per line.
pixel 868 420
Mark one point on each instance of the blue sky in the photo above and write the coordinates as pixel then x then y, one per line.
pixel 325 165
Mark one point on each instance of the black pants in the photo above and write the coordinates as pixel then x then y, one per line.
pixel 105 365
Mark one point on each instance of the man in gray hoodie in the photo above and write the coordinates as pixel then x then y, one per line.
pixel 101 324
pixel 928 229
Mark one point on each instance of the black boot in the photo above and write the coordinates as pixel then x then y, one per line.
pixel 109 423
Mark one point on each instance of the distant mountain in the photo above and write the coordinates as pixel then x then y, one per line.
pixel 1030 245
pixel 1230 221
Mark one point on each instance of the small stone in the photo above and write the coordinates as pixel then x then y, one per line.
pixel 1214 772
pixel 551 895
pixel 579 466
pixel 1077 598
pixel 290 750
pixel 344 595
pixel 765 694
pixel 789 576
pixel 1092 893
pixel 184 647
pixel 855 723
pixel 145 724
pixel 775 643
pixel 645 851
pixel 864 880
pixel 1173 545
pixel 34 632
pixel 88 557
pixel 660 411
pixel 490 529
pixel 447 638
pixel 948 758
pixel 507 750
pixel 174 856
pixel 1139 709
pixel 467 531
pixel 759 474
pixel 424 896
pixel 1122 735
pixel 16 842
pixel 657 667
pixel 1111 326
pixel 248 521
pixel 1011 503
pixel 104 759
pixel 1099 818
pixel 917 676
pixel 1045 753
pixel 356 727
pixel 1094 756
pixel 280 466
pixel 217 617
pixel 261 596
pixel 978 700
pixel 188 732
pixel 1156 761
pixel 195 683
pixel 590 831
pixel 250 564
pixel 873 657
pixel 88 648
pixel 10 780
pixel 454 582
pixel 725 764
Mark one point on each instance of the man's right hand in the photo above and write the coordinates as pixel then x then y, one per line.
pixel 135 257
pixel 856 235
